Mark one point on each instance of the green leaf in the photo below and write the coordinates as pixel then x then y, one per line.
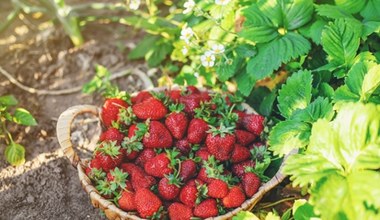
pixel 370 27
pixel 23 117
pixel 245 215
pixel 304 212
pixel 288 135
pixel 320 108
pixel 296 93
pixel 8 100
pixel 332 11
pixel 351 6
pixel 325 90
pixel 341 41
pixel 158 53
pixel 245 50
pixel 370 83
pixel 144 46
pixel 227 68
pixel 245 83
pixel 371 11
pixel 353 198
pixel 266 106
pixel 271 55
pixel 15 154
pixel 298 13
pixel 314 30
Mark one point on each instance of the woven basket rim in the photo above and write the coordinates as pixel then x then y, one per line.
pixel 110 209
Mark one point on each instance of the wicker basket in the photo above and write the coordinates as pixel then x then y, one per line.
pixel 111 210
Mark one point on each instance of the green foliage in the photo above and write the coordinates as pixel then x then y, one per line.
pixel 14 152
pixel 343 155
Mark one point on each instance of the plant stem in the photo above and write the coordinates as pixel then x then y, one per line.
pixel 277 202
pixel 10 18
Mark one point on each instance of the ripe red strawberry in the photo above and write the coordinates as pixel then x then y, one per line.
pixel 168 188
pixel 254 123
pixel 202 175
pixel 112 134
pixel 127 201
pixel 240 154
pixel 203 154
pixel 131 168
pixel 206 209
pixel 239 168
pixel 177 122
pixel 141 96
pixel 189 194
pixel 234 198
pixel 147 203
pixel 174 95
pixel 183 146
pixel 220 145
pixel 192 90
pixel 205 96
pixel 110 110
pixel 251 183
pixel 191 102
pixel 244 137
pixel 188 170
pixel 144 156
pixel 158 136
pixel 132 130
pixel 197 131
pixel 150 108
pixel 158 166
pixel 142 180
pixel 217 189
pixel 179 211
pixel 109 155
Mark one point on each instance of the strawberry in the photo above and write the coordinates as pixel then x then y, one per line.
pixel 95 174
pixel 234 198
pixel 132 130
pixel 144 156
pixel 147 203
pixel 183 146
pixel 241 115
pixel 109 155
pixel 140 97
pixel 220 145
pixel 177 122
pixel 240 154
pixel 110 110
pixel 188 169
pixel 142 180
pixel 244 137
pixel 205 96
pixel 117 178
pixel 179 211
pixel 188 195
pixel 158 136
pixel 196 132
pixel 192 90
pixel 168 187
pixel 150 108
pixel 174 95
pixel 203 154
pixel 158 166
pixel 206 209
pixel 217 189
pixel 131 168
pixel 254 123
pixel 239 168
pixel 112 134
pixel 251 183
pixel 191 102
pixel 202 175
pixel 127 201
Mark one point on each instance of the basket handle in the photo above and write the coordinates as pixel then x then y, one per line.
pixel 64 129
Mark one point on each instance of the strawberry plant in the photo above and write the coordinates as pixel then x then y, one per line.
pixel 14 152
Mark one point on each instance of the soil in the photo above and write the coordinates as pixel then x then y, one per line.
pixel 47 186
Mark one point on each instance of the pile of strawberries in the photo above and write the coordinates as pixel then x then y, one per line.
pixel 178 153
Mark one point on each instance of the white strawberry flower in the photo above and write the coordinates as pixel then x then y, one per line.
pixel 217 48
pixel 186 34
pixel 184 50
pixel 208 59
pixel 189 6
pixel 134 4
pixel 222 2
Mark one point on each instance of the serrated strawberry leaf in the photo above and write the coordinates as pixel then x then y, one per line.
pixel 295 94
pixel 351 6
pixel 332 11
pixel 319 108
pixel 288 135
pixel 340 40
pixel 371 11
pixel 15 154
